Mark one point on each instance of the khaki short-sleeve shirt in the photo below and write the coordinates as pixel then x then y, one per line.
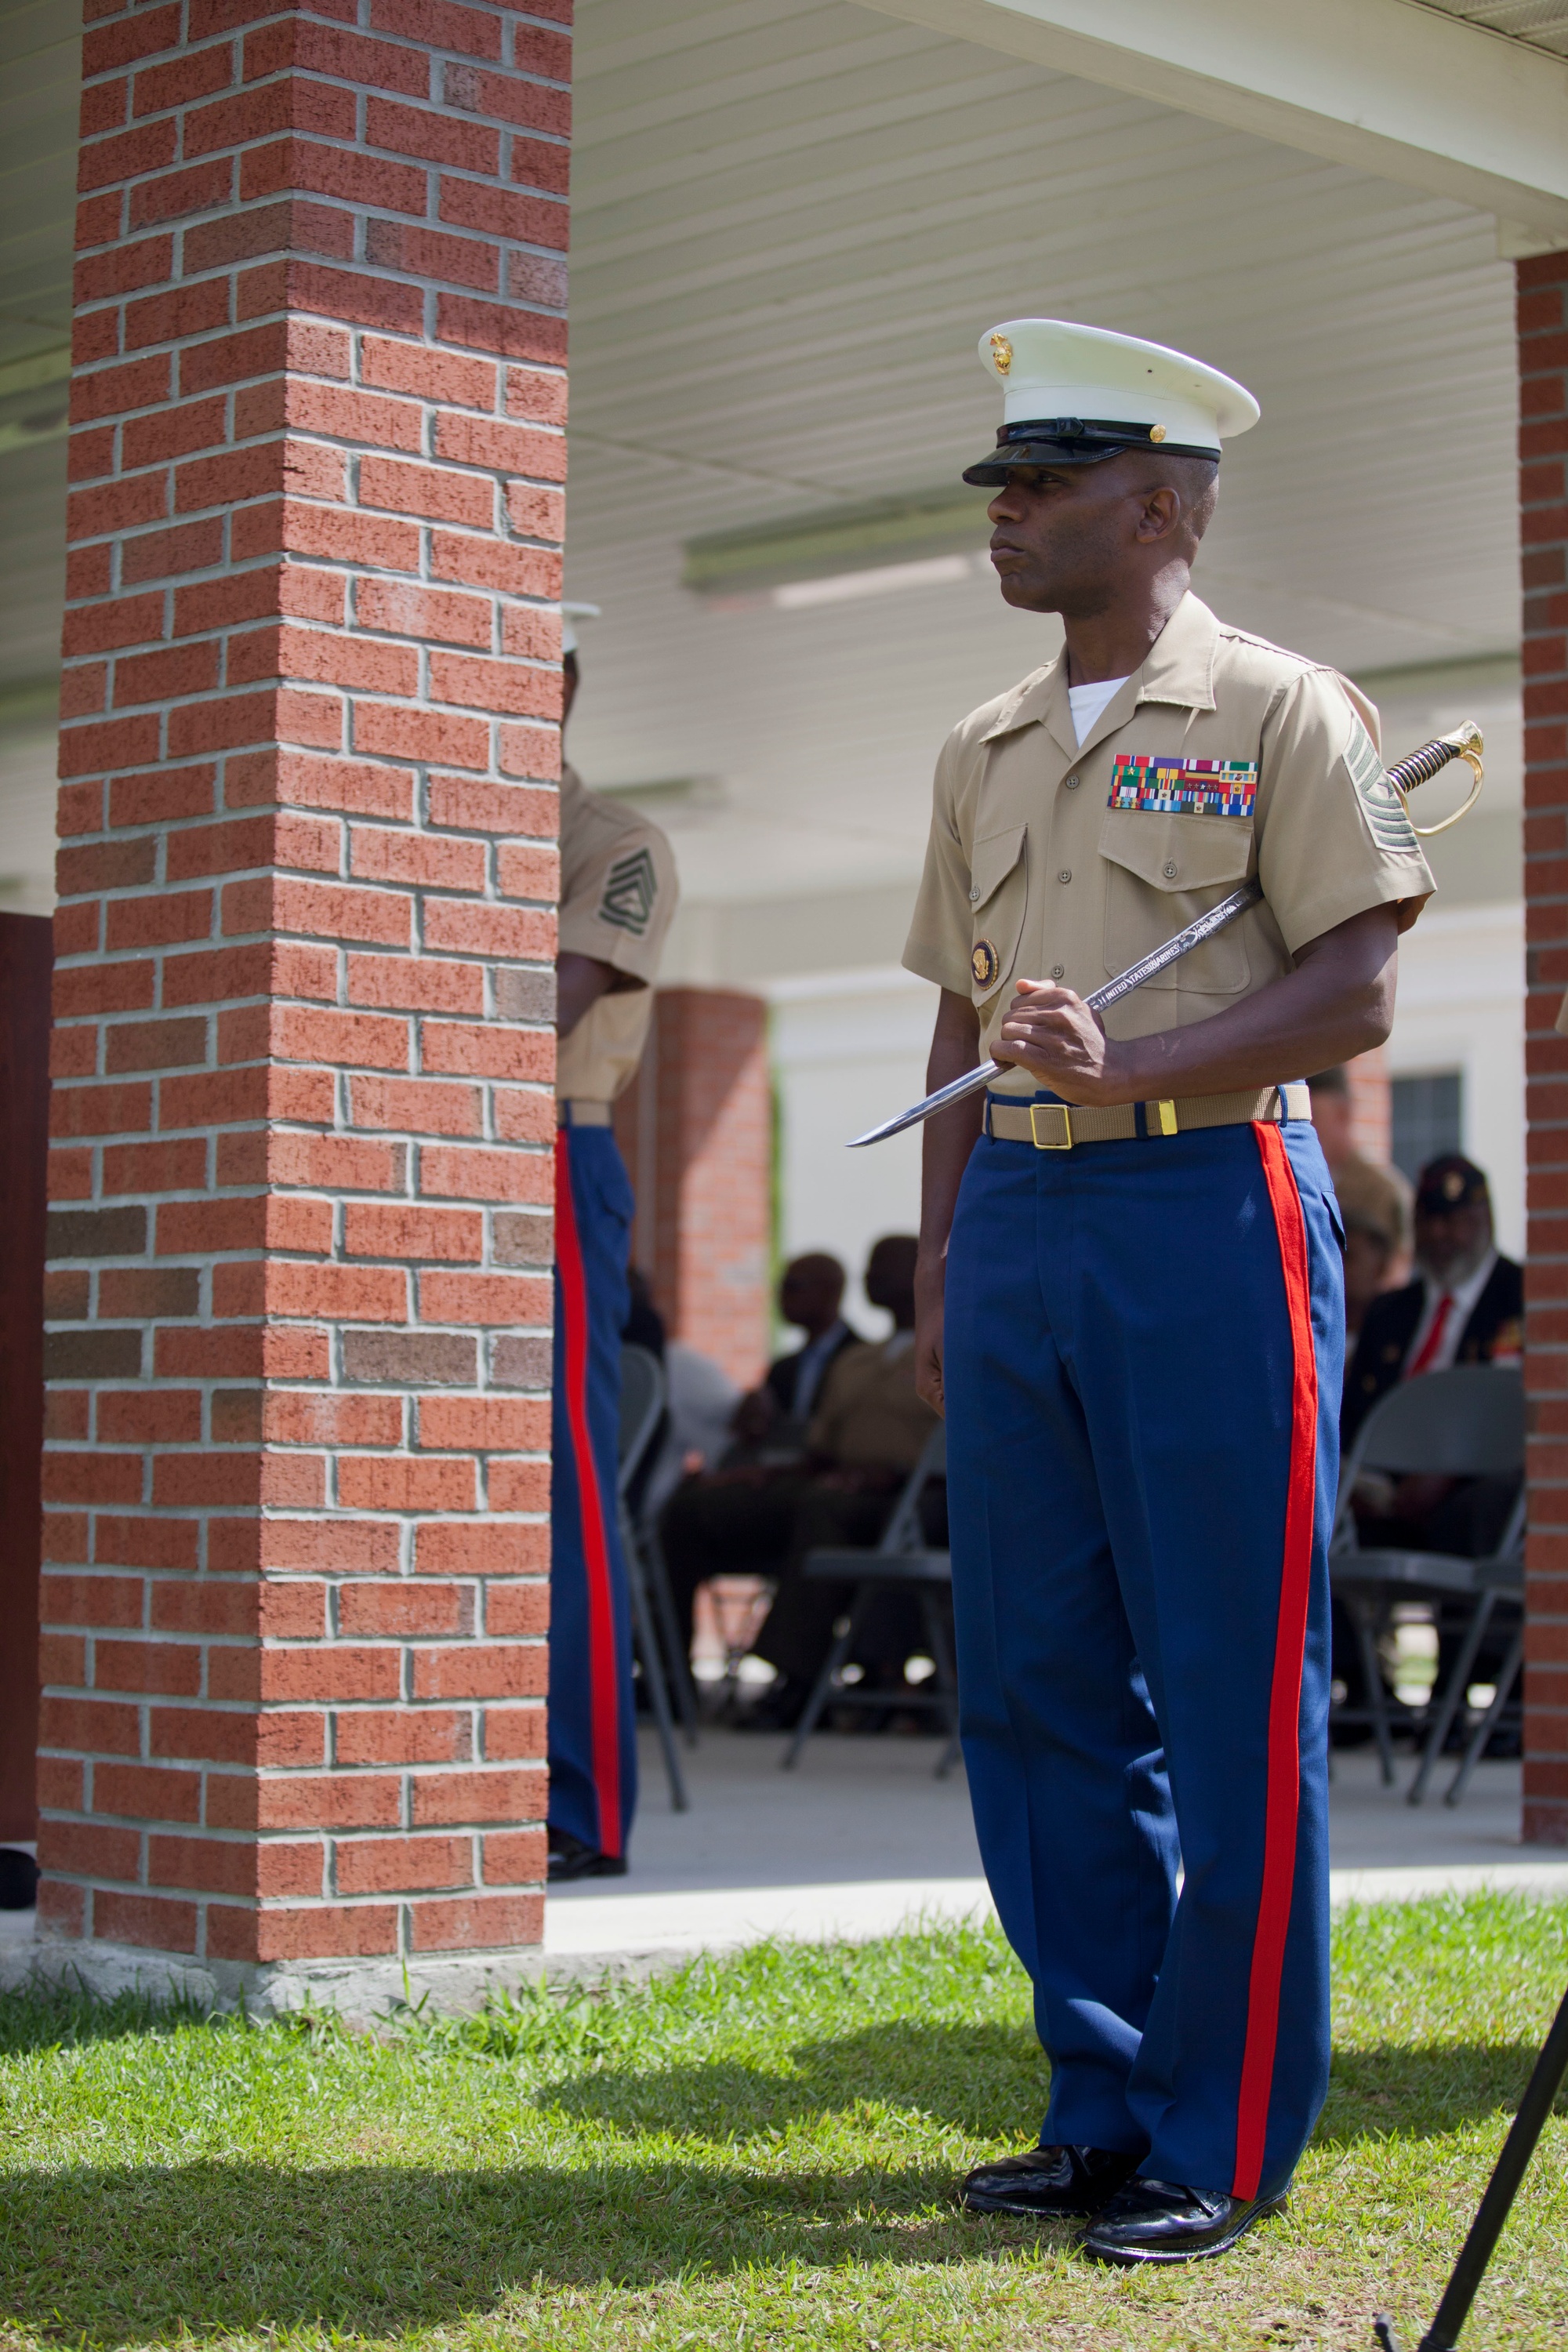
pixel 618 894
pixel 1222 757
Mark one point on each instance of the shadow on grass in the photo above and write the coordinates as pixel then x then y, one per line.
pixel 989 2081
pixel 100 2256
pixel 67 2015
pixel 106 2255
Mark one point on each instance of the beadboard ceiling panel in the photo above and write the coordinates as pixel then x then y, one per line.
pixel 792 221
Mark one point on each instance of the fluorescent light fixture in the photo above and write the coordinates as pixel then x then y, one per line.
pixel 888 533
pixel 35 399
pixel 670 791
pixel 886 578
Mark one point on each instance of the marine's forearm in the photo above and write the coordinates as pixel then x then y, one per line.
pixel 1332 1007
pixel 1336 1003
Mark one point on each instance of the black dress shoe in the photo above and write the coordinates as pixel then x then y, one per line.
pixel 1164 2222
pixel 570 1858
pixel 1049 2184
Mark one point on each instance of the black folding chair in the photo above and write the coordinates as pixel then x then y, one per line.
pixel 900 1563
pixel 642 1409
pixel 1468 1422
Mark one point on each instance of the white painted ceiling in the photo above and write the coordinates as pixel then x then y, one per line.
pixel 791 220
pixel 1539 24
pixel 41 68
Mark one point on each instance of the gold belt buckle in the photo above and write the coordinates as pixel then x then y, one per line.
pixel 1047 1142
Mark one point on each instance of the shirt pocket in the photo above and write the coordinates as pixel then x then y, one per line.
pixel 1161 872
pixel 998 897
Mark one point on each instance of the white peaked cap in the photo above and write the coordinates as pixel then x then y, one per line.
pixel 1089 393
pixel 571 611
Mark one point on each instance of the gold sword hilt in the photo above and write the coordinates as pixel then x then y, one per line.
pixel 1465 743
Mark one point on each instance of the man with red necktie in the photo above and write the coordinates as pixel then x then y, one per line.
pixel 1464 1306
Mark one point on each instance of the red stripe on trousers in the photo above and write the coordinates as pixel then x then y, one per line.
pixel 604 1690
pixel 1282 1801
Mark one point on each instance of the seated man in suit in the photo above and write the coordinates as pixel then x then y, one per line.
pixel 760 1519
pixel 811 1293
pixel 1464 1305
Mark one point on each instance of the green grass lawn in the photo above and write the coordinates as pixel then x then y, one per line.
pixel 759 2151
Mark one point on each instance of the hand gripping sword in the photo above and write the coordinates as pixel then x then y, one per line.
pixel 1465 743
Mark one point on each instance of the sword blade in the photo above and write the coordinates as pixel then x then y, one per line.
pixel 976 1081
pixel 1464 743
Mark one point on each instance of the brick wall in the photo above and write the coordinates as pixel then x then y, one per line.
pixel 296 1472
pixel 696 1128
pixel 1371 1106
pixel 1544 515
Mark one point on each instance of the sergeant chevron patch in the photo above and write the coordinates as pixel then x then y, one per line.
pixel 1385 814
pixel 631 887
pixel 1183 787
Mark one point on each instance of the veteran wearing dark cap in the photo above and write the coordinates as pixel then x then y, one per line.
pixel 1464 1305
pixel 1130 1296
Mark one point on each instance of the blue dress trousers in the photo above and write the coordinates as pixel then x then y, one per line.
pixel 1143 1350
pixel 593 1742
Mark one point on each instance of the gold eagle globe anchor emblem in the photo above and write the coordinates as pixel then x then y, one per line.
pixel 1001 354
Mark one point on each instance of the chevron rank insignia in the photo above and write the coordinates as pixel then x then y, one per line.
pixel 1385 812
pixel 631 887
pixel 1183 787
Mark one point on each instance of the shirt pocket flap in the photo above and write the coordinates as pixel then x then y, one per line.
pixel 1177 853
pixel 991 862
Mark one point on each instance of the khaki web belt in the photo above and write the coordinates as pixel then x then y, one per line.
pixel 1057 1126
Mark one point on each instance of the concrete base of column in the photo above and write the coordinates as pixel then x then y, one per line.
pixel 361 1991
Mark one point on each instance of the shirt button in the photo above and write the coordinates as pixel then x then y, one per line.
pixel 1072 783
pixel 974 898
pixel 1170 869
pixel 1058 970
pixel 1065 873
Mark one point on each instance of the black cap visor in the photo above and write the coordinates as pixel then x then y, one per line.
pixel 1071 441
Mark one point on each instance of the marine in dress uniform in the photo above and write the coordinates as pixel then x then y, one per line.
pixel 1134 1242
pixel 617 896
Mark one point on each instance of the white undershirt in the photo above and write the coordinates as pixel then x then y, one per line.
pixel 1087 702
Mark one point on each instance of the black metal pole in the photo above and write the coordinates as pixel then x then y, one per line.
pixel 1542 2089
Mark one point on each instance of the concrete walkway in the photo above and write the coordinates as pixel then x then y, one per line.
pixel 861 1837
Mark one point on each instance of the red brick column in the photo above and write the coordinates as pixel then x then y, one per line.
pixel 293 1651
pixel 1543 514
pixel 1371 1106
pixel 696 1128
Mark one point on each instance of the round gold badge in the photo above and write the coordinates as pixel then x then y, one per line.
pixel 1156 433
pixel 984 964
pixel 1001 354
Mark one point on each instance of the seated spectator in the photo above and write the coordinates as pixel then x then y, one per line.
pixel 700 1415
pixel 644 1326
pixel 761 1518
pixel 1374 1203
pixel 1464 1305
pixel 1371 1250
pixel 811 1293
